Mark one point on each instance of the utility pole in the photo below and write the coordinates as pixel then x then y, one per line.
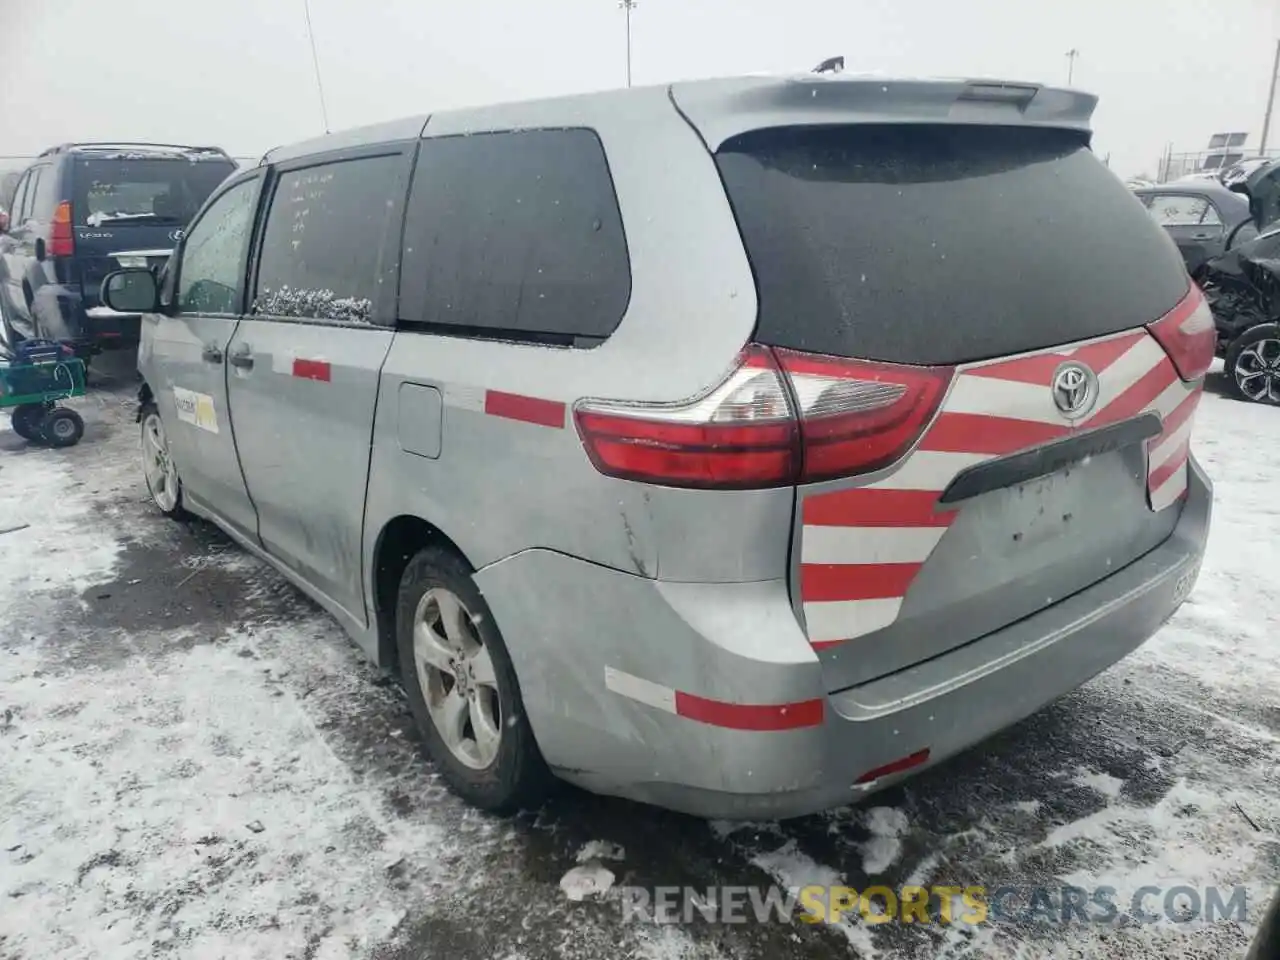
pixel 1271 102
pixel 1071 64
pixel 315 62
pixel 628 6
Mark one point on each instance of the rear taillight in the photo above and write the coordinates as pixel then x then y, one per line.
pixel 740 435
pixel 779 418
pixel 857 416
pixel 62 241
pixel 1187 334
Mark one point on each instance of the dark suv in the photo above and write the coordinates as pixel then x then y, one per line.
pixel 85 209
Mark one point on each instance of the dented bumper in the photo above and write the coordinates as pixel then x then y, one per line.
pixel 707 698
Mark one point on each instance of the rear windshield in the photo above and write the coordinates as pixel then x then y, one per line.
pixel 152 191
pixel 942 244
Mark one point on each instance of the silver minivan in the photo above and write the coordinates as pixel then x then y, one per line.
pixel 739 446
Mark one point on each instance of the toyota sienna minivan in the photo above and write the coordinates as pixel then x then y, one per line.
pixel 738 446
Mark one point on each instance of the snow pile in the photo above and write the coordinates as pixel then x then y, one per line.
pixel 185 811
pixel 587 880
pixel 883 848
pixel 313 304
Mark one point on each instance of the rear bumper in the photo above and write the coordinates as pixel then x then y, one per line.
pixel 707 698
pixel 60 310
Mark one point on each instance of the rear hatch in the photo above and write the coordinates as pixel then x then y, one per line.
pixel 985 299
pixel 129 210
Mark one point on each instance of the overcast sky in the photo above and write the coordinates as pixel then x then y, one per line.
pixel 238 73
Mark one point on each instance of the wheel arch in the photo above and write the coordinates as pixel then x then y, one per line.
pixel 145 397
pixel 398 541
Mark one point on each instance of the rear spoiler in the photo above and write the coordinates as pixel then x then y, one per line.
pixel 722 109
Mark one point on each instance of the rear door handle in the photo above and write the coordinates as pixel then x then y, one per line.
pixel 211 354
pixel 244 360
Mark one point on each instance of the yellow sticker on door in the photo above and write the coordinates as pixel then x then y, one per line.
pixel 196 409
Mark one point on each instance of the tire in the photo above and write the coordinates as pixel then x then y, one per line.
pixel 500 778
pixel 1252 364
pixel 26 420
pixel 62 428
pixel 158 468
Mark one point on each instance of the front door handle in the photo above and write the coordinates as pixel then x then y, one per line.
pixel 211 354
pixel 242 359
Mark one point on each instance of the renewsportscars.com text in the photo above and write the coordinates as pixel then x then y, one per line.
pixel 939 904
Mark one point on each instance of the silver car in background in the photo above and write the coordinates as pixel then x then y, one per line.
pixel 738 446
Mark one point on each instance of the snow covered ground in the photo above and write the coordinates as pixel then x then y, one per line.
pixel 195 762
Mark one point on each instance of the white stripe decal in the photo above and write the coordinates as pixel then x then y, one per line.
pixel 282 362
pixel 929 470
pixel 637 688
pixel 1134 364
pixel 869 544
pixel 1173 395
pixel 1171 445
pixel 1170 490
pixel 464 397
pixel 1011 399
pixel 827 621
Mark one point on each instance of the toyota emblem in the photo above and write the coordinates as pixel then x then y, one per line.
pixel 175 235
pixel 1075 389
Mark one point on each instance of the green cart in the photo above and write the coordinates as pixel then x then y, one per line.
pixel 32 382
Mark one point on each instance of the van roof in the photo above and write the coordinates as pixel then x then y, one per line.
pixel 722 108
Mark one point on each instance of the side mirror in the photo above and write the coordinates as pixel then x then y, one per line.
pixel 131 291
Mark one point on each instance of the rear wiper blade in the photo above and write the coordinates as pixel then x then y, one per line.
pixel 98 219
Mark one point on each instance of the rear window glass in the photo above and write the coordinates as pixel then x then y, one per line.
pixel 942 244
pixel 151 191
pixel 517 235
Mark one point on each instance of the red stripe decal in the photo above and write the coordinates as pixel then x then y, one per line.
pixel 744 716
pixel 311 369
pixel 1169 467
pixel 1040 369
pixel 512 406
pixel 898 766
pixel 876 508
pixel 979 433
pixel 1137 397
pixel 1180 415
pixel 855 581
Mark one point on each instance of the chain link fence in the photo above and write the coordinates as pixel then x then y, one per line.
pixel 1176 165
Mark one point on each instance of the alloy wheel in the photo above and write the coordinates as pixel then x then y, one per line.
pixel 457 679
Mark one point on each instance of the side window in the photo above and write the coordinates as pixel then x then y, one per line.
pixel 516 234
pixel 1211 217
pixel 27 204
pixel 329 245
pixel 1171 210
pixel 44 200
pixel 19 198
pixel 211 274
pixel 33 189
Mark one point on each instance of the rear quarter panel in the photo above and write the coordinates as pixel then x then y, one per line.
pixel 502 484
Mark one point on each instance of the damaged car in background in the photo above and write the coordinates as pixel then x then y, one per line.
pixel 1229 238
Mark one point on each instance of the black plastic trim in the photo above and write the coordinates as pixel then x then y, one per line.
pixel 1050 458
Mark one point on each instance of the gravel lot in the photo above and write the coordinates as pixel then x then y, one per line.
pixel 196 762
